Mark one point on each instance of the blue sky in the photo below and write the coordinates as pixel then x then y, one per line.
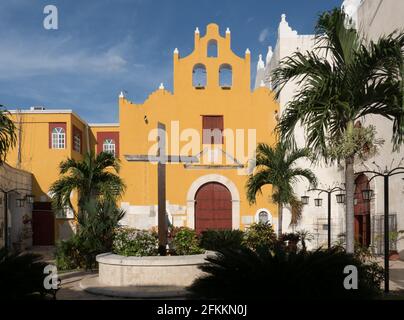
pixel 104 46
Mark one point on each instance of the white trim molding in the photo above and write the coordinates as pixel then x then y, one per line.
pixel 235 198
pixel 103 124
pixel 47 111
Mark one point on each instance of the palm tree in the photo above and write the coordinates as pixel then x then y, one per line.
pixel 91 177
pixel 356 80
pixel 8 137
pixel 277 166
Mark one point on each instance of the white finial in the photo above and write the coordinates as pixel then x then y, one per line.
pixel 176 51
pixel 269 55
pixel 284 30
pixel 121 95
pixel 262 83
pixel 161 86
pixel 227 30
pixel 350 8
pixel 283 17
pixel 197 30
pixel 247 51
pixel 260 64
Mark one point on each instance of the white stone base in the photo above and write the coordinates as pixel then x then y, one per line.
pixel 93 285
pixel 169 275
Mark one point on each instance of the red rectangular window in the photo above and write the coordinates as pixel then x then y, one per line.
pixel 57 135
pixel 212 127
pixel 108 142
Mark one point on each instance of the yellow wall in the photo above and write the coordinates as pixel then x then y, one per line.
pixel 38 158
pixel 241 109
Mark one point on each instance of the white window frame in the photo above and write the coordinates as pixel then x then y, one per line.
pixel 58 138
pixel 257 215
pixel 77 143
pixel 109 145
pixel 65 213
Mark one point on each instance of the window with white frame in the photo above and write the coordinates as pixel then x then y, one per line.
pixel 109 146
pixel 58 138
pixel 263 216
pixel 65 213
pixel 77 142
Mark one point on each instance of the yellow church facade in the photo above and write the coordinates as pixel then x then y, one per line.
pixel 211 116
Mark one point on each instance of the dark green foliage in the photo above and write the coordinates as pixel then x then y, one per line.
pixel 90 177
pixel 259 235
pixel 68 254
pixel 276 166
pixel 290 241
pixel 8 135
pixel 304 237
pixel 221 239
pixel 185 241
pixel 22 276
pixel 358 78
pixel 277 274
pixel 97 224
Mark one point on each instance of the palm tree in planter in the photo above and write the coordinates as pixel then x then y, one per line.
pixel 91 178
pixel 276 166
pixel 355 80
pixel 8 137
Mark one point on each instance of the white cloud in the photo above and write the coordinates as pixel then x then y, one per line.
pixel 263 35
pixel 43 56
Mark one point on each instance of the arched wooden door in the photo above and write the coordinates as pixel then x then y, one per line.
pixel 213 207
pixel 362 212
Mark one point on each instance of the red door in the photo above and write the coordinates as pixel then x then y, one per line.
pixel 213 207
pixel 362 212
pixel 43 224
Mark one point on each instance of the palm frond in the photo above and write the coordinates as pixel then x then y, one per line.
pixel 276 166
pixel 355 80
pixel 8 137
pixel 90 178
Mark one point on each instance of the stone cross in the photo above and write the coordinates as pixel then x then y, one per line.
pixel 161 158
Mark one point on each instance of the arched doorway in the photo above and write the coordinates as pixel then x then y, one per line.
pixel 362 212
pixel 213 207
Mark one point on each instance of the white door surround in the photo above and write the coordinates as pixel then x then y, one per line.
pixel 235 198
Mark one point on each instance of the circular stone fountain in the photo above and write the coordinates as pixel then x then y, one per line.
pixel 145 277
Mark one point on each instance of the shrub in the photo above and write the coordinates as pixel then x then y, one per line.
pixel 185 241
pixel 98 222
pixel 133 242
pixel 96 230
pixel 304 237
pixel 221 239
pixel 22 276
pixel 68 254
pixel 268 273
pixel 289 241
pixel 259 235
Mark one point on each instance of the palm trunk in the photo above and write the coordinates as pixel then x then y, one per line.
pixel 350 190
pixel 279 220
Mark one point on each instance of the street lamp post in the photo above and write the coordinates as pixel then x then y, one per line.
pixel 28 197
pixel 318 203
pixel 367 195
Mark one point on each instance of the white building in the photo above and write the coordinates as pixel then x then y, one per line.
pixel 373 18
pixel 15 207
